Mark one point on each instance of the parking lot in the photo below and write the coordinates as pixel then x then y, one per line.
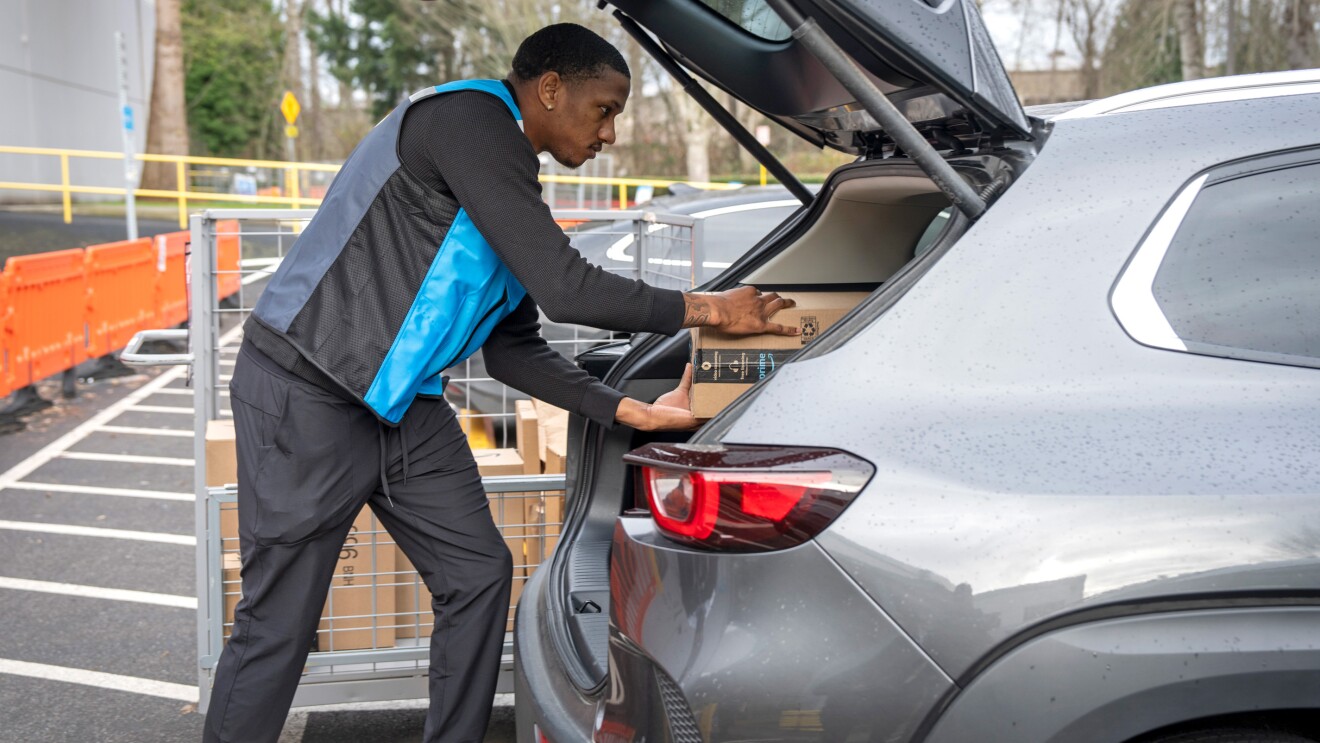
pixel 99 597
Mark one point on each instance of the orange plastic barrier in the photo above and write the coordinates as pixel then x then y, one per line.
pixel 121 297
pixel 227 252
pixel 48 302
pixel 6 386
pixel 171 283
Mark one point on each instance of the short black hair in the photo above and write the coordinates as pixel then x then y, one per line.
pixel 571 50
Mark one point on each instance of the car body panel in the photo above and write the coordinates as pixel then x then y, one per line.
pixel 1056 507
pixel 700 621
pixel 1028 452
pixel 1114 680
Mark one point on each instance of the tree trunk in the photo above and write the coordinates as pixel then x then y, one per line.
pixel 167 125
pixel 1299 25
pixel 696 134
pixel 1190 45
pixel 292 74
pixel 315 148
pixel 1231 53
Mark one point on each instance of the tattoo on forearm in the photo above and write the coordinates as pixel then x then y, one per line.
pixel 697 311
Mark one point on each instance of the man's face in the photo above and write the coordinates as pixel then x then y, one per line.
pixel 582 121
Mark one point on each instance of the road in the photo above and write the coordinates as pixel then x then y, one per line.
pixel 25 232
pixel 71 644
pixel 97 587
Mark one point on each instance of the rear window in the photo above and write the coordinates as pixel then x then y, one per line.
pixel 752 16
pixel 1241 275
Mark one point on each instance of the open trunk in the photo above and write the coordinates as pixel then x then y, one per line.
pixel 876 227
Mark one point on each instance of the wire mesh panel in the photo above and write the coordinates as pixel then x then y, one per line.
pixel 372 640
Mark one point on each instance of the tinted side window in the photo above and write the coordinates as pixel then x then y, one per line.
pixel 1243 270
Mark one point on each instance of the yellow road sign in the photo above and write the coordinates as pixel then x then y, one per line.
pixel 290 108
pixel 291 131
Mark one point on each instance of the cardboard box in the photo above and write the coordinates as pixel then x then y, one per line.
pixel 725 366
pixel 556 458
pixel 529 446
pixel 222 469
pixel 545 518
pixel 353 585
pixel 552 424
pixel 349 620
pixel 413 599
pixel 230 575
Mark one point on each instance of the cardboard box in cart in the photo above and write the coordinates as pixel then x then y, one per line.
pixel 362 575
pixel 545 513
pixel 413 600
pixel 725 366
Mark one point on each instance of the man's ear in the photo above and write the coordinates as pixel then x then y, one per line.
pixel 549 89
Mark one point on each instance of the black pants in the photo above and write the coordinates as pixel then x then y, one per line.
pixel 307 462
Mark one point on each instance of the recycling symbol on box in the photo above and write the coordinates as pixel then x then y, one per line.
pixel 810 327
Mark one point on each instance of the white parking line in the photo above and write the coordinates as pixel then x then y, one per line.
pixel 174 391
pixel 113 681
pixel 53 449
pixel 162 409
pixel 54 487
pixel 136 431
pixel 92 531
pixel 92 456
pixel 96 592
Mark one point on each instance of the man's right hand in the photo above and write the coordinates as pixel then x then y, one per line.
pixel 672 411
pixel 741 311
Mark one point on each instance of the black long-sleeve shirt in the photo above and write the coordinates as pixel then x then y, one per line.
pixel 465 144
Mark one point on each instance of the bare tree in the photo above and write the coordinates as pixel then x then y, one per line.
pixel 1299 29
pixel 1231 31
pixel 696 126
pixel 292 75
pixel 1087 21
pixel 1191 45
pixel 167 124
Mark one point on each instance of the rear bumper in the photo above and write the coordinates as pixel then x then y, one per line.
pixel 779 646
pixel 543 694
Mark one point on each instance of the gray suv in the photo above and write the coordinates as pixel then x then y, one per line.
pixel 1056 478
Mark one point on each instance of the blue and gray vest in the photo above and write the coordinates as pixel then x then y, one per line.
pixel 390 283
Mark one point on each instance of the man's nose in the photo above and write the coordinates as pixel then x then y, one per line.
pixel 606 133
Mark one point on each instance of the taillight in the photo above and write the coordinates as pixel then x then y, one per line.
pixel 746 498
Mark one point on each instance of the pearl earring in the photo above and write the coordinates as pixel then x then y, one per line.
pixel 549 107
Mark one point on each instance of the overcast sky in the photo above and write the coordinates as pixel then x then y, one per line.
pixel 1027 49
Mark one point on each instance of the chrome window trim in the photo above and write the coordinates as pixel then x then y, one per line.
pixel 1133 298
pixel 1194 92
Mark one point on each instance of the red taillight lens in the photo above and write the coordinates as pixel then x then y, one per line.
pixel 747 498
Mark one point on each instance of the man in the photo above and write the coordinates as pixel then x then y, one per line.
pixel 432 242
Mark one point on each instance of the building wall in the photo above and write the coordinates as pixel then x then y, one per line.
pixel 1043 86
pixel 59 86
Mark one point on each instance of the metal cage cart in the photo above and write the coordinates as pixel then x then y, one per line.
pixel 373 639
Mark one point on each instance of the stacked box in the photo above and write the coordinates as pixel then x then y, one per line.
pixel 413 599
pixel 361 599
pixel 529 441
pixel 230 577
pixel 354 586
pixel 221 470
pixel 545 513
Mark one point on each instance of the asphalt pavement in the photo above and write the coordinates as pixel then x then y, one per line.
pixel 97 587
pixel 27 231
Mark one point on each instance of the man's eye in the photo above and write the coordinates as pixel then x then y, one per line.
pixel 604 110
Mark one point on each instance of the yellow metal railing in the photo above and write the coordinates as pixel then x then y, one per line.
pixel 292 176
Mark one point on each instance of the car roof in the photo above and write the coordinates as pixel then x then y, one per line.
pixel 1187 93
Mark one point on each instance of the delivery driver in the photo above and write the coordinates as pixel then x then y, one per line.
pixel 431 243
